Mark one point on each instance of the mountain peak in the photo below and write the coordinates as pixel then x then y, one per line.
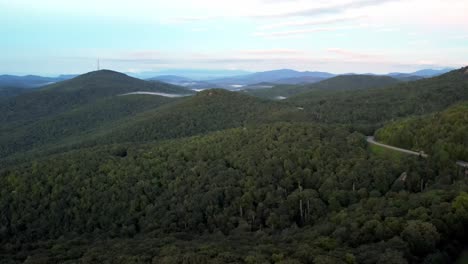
pixel 104 73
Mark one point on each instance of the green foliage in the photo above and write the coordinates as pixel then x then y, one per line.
pixel 442 135
pixel 366 110
pixel 207 111
pixel 313 184
pixel 69 111
pixel 422 237
pixel 75 124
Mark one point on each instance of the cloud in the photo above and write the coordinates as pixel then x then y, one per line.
pixel 386 29
pixel 304 32
pixel 311 22
pixel 426 62
pixel 331 59
pixel 336 8
pixel 349 55
pixel 275 52
pixel 272 9
pixel 287 33
pixel 461 37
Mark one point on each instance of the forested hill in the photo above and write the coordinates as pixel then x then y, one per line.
pixel 78 91
pixel 142 118
pixel 74 125
pixel 105 82
pixel 210 110
pixel 282 193
pixel 75 109
pixel 342 83
pixel 442 135
pixel 355 82
pixel 371 108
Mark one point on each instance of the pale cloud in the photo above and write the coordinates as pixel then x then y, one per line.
pixel 275 52
pixel 351 55
pixel 305 32
pixel 385 29
pixel 426 62
pixel 287 33
pixel 459 37
pixel 330 9
pixel 338 58
pixel 419 42
pixel 315 22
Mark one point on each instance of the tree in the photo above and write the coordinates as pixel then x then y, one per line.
pixel 422 237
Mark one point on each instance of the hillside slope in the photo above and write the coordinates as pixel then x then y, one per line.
pixel 75 124
pixel 443 135
pixel 68 111
pixel 210 110
pixel 140 119
pixel 342 83
pixel 369 109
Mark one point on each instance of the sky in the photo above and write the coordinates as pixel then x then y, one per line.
pixel 51 37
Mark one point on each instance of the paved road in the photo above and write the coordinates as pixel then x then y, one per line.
pixel 371 140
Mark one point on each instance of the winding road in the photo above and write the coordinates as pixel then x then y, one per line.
pixel 371 140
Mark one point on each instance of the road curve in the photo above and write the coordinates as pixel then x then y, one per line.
pixel 371 140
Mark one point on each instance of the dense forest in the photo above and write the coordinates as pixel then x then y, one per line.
pixel 368 109
pixel 10 91
pixel 70 111
pixel 442 135
pixel 263 181
pixel 224 177
pixel 75 124
pixel 138 118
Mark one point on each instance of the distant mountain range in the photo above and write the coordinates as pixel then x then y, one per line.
pixel 30 81
pixel 423 73
pixel 227 79
pixel 198 75
pixel 284 76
